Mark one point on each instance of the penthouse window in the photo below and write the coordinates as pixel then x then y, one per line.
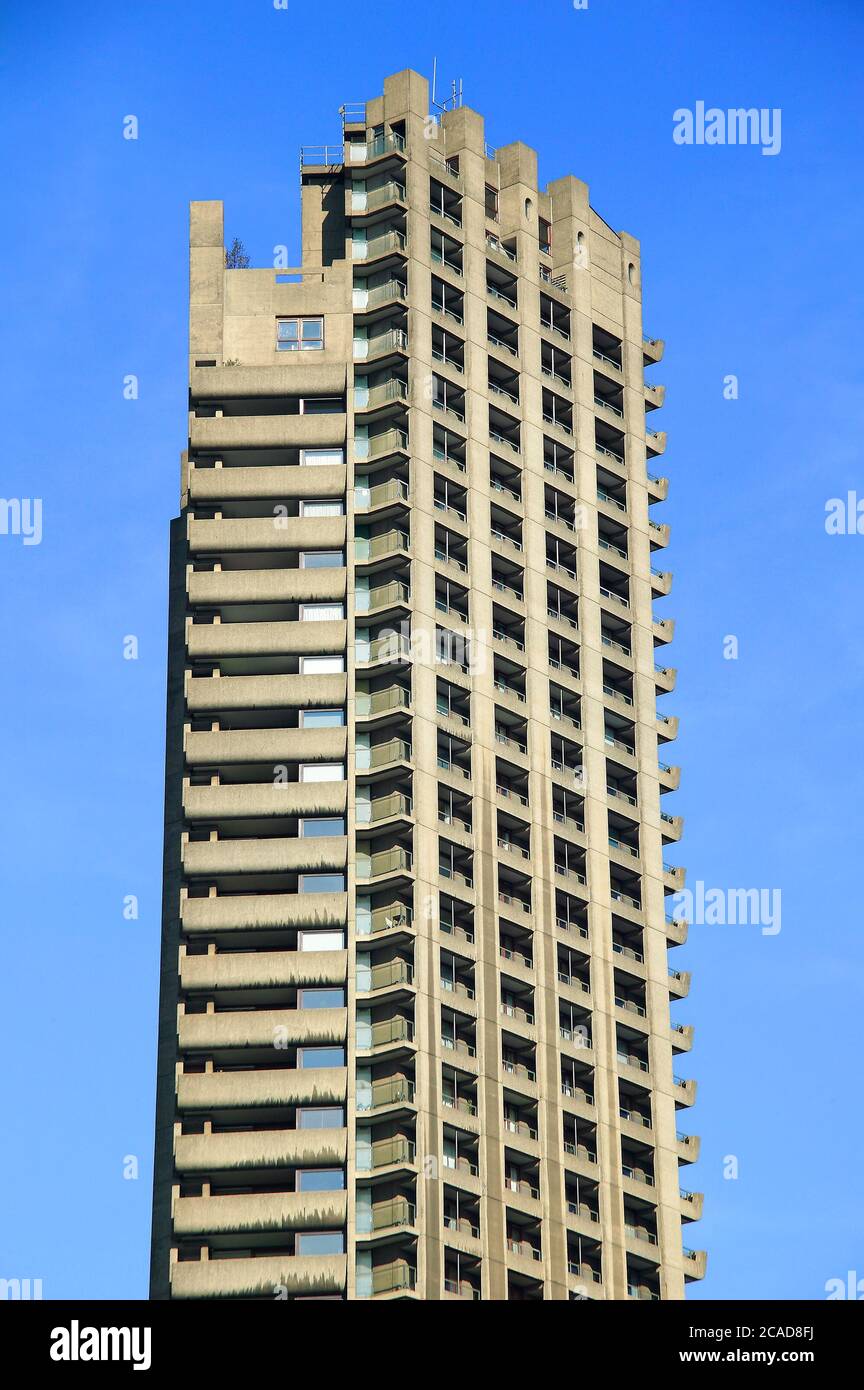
pixel 300 335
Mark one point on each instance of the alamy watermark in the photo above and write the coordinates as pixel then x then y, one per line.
pixel 737 126
pixel 728 907
pixel 22 516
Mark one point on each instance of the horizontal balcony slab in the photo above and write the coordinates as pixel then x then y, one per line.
pixel 245 913
pixel 227 746
pixel 259 1278
pixel 263 969
pixel 214 484
pixel 298 853
pixel 266 586
pixel 266 1149
pixel 216 433
pixel 324 638
pixel 265 692
pixel 239 1090
pixel 258 1211
pixel 265 799
pixel 262 1028
pixel 233 534
pixel 302 375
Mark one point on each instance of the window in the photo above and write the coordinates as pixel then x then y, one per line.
pixel 321 612
pixel 321 941
pixel 321 999
pixel 320 559
pixel 322 718
pixel 325 506
pixel 321 665
pixel 299 335
pixel 320 1057
pixel 321 1117
pixel 312 457
pixel 321 405
pixel 491 199
pixel 322 883
pixel 320 1179
pixel 319 1243
pixel 321 826
pixel 321 772
pixel 545 236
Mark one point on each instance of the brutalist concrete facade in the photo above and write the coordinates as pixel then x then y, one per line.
pixel 415 1035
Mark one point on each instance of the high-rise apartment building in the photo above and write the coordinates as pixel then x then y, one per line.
pixel 415 1034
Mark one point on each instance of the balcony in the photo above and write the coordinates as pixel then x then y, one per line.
pixel 264 1149
pixel 252 912
pixel 259 1211
pixel 296 1276
pixel 652 350
pixel 251 1090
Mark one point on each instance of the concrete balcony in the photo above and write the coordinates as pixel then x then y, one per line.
pixel 661 583
pixel 215 434
pixel 227 746
pixel 658 488
pixel 234 534
pixel 262 1028
pixel 665 678
pixel 654 396
pixel 670 777
pixel 262 1149
pixel 259 1278
pixel 652 350
pixel 682 1037
pixel 264 911
pixel 667 727
pixel 685 1092
pixel 209 858
pixel 231 1090
pixel 265 799
pixel 655 442
pixel 695 1264
pixel 322 638
pixel 263 969
pixel 689 1146
pixel 216 484
pixel 264 692
pixel 303 376
pixel 258 1211
pixel 212 587
pixel 671 826
pixel 679 983
pixel 691 1205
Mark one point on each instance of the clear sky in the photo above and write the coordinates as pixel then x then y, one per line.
pixel 751 267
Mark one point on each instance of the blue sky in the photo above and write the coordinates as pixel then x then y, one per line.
pixel 751 266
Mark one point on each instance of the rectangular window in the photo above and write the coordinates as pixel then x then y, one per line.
pixel 308 1057
pixel 312 457
pixel 321 405
pixel 545 236
pixel 322 718
pixel 321 665
pixel 321 772
pixel 325 506
pixel 321 612
pixel 299 335
pixel 321 826
pixel 321 1117
pixel 321 941
pixel 319 1243
pixel 322 883
pixel 321 999
pixel 320 1179
pixel 321 559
